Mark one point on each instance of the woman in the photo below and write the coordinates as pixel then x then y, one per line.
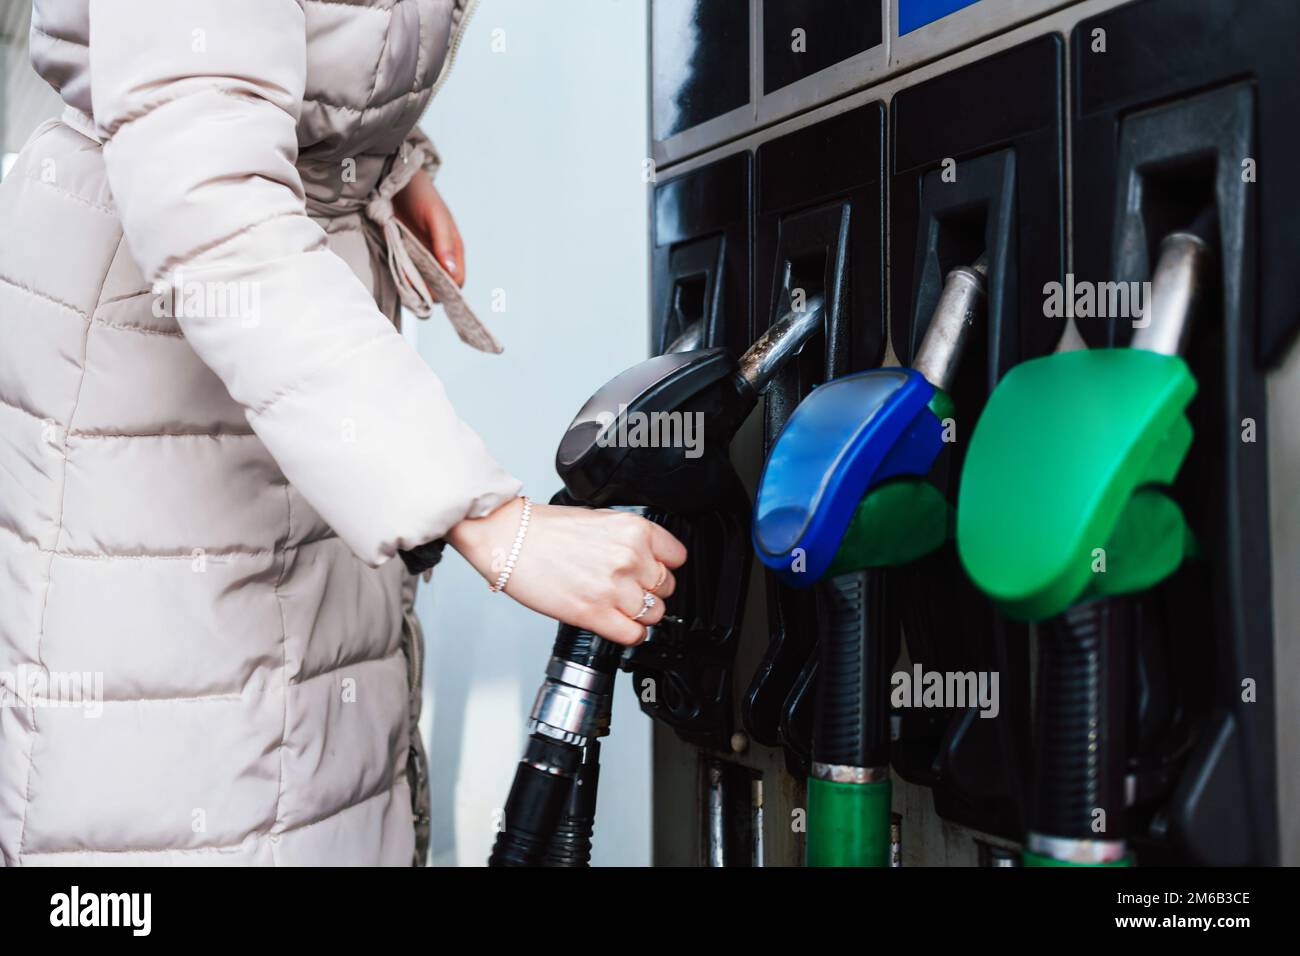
pixel 214 440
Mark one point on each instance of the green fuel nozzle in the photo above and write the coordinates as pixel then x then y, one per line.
pixel 1067 441
pixel 1062 519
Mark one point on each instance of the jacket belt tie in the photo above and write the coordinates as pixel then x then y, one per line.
pixel 420 278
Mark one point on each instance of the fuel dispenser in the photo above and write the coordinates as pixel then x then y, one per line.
pixel 1122 169
pixel 841 499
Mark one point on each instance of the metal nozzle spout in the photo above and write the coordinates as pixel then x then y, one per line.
pixel 784 339
pixel 961 302
pixel 1178 283
pixel 690 340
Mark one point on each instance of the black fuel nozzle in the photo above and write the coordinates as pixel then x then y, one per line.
pixel 551 809
pixel 658 434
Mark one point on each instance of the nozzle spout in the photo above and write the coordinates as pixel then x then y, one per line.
pixel 961 303
pixel 783 340
pixel 1178 284
pixel 690 340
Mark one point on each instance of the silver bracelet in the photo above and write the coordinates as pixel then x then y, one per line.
pixel 504 576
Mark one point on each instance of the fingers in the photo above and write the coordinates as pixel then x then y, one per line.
pixel 592 568
pixel 616 623
pixel 664 584
pixel 633 559
pixel 625 618
pixel 631 601
pixel 656 549
pixel 420 206
pixel 666 549
pixel 447 243
pixel 460 273
pixel 613 625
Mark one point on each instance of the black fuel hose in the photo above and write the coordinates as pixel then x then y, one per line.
pixel 570 844
pixel 852 725
pixel 537 798
pixel 1081 703
pixel 550 812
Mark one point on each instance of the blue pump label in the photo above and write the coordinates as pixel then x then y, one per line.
pixel 914 14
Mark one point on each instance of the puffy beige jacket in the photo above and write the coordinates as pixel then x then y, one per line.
pixel 212 440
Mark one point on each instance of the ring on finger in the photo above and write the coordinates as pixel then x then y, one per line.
pixel 663 576
pixel 647 602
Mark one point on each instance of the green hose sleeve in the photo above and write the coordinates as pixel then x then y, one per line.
pixel 848 823
pixel 1038 859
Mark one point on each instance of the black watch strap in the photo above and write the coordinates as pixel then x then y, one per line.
pixel 422 558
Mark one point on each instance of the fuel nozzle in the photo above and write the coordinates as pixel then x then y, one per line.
pixel 1048 483
pixel 551 808
pixel 855 432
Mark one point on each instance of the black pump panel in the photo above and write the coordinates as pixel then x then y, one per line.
pixel 819 230
pixel 1209 122
pixel 820 225
pixel 978 155
pixel 700 62
pixel 701 255
pixel 700 267
pixel 962 220
pixel 1165 51
pixel 803 37
pixel 978 170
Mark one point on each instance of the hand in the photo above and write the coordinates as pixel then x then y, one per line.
pixel 421 208
pixel 589 568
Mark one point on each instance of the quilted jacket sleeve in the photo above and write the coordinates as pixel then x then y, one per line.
pixel 197 102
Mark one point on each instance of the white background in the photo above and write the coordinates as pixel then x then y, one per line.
pixel 543 146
